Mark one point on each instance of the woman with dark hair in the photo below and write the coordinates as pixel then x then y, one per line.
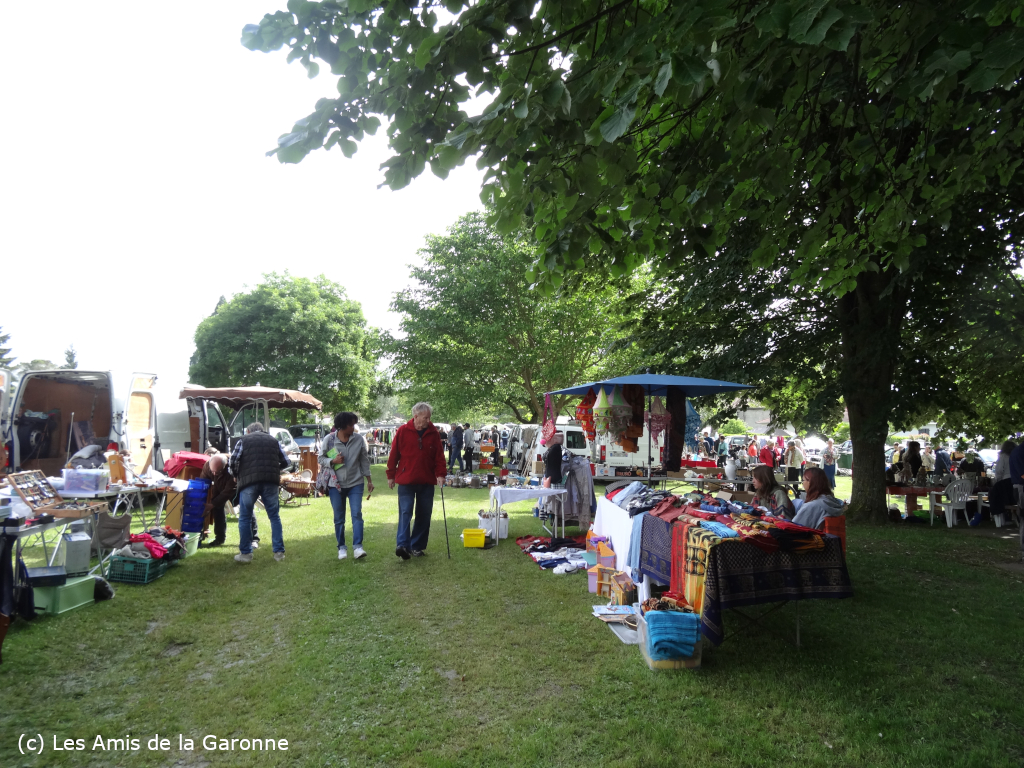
pixel 344 457
pixel 819 501
pixel 769 494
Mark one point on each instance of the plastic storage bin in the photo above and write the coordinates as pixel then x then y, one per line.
pixel 85 480
pixel 689 662
pixel 487 524
pixel 473 537
pixel 74 594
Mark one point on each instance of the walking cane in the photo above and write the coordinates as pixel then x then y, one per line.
pixel 444 514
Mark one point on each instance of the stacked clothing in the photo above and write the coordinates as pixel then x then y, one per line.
pixel 580 504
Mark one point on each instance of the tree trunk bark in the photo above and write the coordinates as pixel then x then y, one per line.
pixel 870 324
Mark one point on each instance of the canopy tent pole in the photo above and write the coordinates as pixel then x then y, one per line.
pixel 650 457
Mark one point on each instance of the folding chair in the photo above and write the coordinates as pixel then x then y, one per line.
pixel 957 492
pixel 109 533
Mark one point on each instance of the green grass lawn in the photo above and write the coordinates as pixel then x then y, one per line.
pixel 487 660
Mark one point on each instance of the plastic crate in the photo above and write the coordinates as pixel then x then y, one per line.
pixel 74 594
pixel 473 537
pixel 199 485
pixel 128 570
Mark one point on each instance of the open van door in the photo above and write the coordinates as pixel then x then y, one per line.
pixel 5 417
pixel 140 423
pixel 257 410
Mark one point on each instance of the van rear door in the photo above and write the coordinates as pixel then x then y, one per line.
pixel 5 415
pixel 141 423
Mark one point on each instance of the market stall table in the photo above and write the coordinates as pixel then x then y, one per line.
pixel 501 495
pixel 735 573
pixel 912 492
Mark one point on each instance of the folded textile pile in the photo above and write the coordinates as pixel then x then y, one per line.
pixel 671 634
pixel 622 496
pixel 718 528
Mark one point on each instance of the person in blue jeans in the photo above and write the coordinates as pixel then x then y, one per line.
pixel 416 466
pixel 346 461
pixel 256 464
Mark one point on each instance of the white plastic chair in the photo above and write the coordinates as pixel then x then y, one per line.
pixel 957 491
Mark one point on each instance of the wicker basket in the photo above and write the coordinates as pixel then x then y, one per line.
pixel 301 488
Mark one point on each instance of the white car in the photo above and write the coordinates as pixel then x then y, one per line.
pixel 291 448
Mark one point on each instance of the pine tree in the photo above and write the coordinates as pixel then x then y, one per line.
pixel 6 359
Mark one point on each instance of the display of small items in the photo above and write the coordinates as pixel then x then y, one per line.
pixel 36 491
pixel 34 488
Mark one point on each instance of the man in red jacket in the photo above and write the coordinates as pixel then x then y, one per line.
pixel 416 465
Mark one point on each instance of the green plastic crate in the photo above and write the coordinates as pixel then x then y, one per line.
pixel 74 594
pixel 128 570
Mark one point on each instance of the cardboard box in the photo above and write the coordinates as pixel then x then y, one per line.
pixel 538 467
pixel 173 509
pixel 744 496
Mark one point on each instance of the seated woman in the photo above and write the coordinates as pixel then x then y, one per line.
pixel 769 494
pixel 819 501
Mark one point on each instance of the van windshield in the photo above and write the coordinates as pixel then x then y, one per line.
pixel 575 441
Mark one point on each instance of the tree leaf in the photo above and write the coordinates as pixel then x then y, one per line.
pixel 618 123
pixel 664 76
pixel 426 50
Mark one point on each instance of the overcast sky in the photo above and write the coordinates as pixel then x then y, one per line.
pixel 136 191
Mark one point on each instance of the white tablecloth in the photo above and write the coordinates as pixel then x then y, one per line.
pixel 501 495
pixel 616 525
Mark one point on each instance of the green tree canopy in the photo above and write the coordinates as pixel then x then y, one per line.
pixel 834 142
pixel 70 358
pixel 288 332
pixel 475 338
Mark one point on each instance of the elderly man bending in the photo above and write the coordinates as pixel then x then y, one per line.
pixel 256 465
pixel 222 490
pixel 416 465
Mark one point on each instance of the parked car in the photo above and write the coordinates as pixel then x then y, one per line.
pixel 307 435
pixel 291 448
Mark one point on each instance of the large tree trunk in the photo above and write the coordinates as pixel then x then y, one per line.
pixel 870 326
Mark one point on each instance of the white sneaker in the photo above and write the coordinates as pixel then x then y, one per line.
pixel 279 556
pixel 358 552
pixel 342 553
pixel 240 558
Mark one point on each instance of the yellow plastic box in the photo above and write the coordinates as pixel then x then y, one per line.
pixel 473 537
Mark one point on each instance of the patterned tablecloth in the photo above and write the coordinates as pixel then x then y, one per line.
pixel 739 574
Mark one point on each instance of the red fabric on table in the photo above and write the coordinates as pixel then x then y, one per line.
pixel 786 525
pixel 183 459
pixel 667 510
pixel 677 582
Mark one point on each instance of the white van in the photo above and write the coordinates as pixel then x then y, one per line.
pixel 190 424
pixel 58 412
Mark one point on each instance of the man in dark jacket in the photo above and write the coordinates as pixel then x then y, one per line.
pixel 455 448
pixel 256 465
pixel 416 465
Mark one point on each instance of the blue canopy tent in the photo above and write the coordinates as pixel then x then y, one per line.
pixel 659 385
